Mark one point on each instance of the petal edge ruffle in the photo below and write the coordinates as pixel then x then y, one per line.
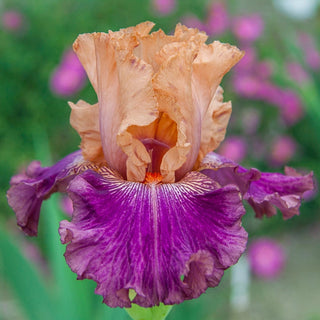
pixel 263 190
pixel 29 189
pixel 127 235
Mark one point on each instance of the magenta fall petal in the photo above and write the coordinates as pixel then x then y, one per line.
pixel 263 190
pixel 30 188
pixel 128 235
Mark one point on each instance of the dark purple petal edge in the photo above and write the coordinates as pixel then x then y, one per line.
pixel 264 191
pixel 36 184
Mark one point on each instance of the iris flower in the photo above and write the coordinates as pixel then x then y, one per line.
pixel 155 210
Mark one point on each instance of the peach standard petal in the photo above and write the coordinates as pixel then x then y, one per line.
pixel 84 119
pixel 159 107
pixel 214 125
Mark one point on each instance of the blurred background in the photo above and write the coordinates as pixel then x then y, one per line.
pixel 275 91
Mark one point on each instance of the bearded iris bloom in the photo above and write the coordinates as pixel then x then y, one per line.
pixel 155 210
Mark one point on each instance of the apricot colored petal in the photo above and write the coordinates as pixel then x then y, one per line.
pixel 85 49
pixel 126 99
pixel 168 242
pixel 84 119
pixel 211 64
pixel 150 45
pixel 183 33
pixel 172 86
pixel 214 125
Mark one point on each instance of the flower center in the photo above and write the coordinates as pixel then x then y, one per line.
pixel 153 177
pixel 156 150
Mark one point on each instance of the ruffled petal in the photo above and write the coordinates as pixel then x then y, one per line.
pixel 127 80
pixel 168 242
pixel 225 172
pixel 277 190
pixel 84 119
pixel 211 64
pixel 172 86
pixel 263 190
pixel 29 189
pixel 150 82
pixel 85 49
pixel 214 125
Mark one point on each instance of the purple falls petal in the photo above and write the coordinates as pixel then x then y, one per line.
pixel 225 171
pixel 263 190
pixel 30 188
pixel 283 191
pixel 168 242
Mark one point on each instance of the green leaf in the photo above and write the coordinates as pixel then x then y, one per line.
pixel 155 313
pixel 25 280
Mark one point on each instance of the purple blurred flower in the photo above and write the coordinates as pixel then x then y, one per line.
pixel 297 73
pixel 154 210
pixel 291 107
pixel 283 149
pixel 267 258
pixel 218 19
pixel 250 120
pixel 247 63
pixel 248 28
pixel 312 57
pixel 164 7
pixel 263 69
pixel 69 77
pixel 234 148
pixel 12 20
pixel 247 86
pixel 192 21
pixel 311 53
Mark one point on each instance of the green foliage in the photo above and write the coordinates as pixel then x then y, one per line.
pixel 155 313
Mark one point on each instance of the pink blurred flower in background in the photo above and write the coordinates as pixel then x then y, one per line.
pixel 252 80
pixel 263 69
pixel 282 150
pixel 246 64
pixel 248 28
pixel 234 148
pixel 266 258
pixel 311 53
pixel 247 86
pixel 69 77
pixel 269 92
pixel 12 20
pixel 297 73
pixel 312 57
pixel 218 19
pixel 164 7
pixel 291 107
pixel 251 120
pixel 192 21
